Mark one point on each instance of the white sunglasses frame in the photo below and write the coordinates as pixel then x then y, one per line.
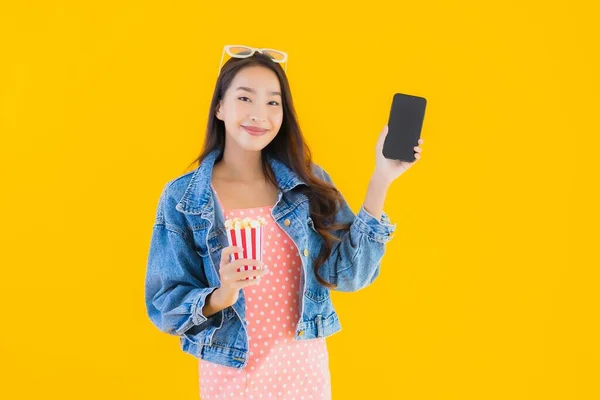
pixel 227 49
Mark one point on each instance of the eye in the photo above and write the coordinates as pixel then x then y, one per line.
pixel 274 103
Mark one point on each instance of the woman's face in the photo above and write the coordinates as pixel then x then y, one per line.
pixel 252 108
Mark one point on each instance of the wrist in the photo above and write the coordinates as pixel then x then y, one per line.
pixel 220 299
pixel 379 182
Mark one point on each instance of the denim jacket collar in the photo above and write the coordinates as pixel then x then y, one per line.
pixel 197 199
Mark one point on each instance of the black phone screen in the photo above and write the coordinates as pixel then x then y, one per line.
pixel 404 127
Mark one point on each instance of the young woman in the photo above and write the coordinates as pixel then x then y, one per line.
pixel 264 337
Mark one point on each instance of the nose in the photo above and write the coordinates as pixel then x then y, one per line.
pixel 259 114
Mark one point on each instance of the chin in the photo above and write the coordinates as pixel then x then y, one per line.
pixel 254 145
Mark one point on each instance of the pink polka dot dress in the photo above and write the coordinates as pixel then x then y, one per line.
pixel 279 367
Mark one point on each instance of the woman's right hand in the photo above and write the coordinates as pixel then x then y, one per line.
pixel 233 277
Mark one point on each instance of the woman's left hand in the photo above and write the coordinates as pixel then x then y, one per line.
pixel 388 170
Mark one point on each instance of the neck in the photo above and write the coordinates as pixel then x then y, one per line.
pixel 240 165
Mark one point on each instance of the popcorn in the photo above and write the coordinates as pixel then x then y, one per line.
pixel 238 223
pixel 248 234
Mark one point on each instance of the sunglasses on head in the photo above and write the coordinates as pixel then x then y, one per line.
pixel 241 51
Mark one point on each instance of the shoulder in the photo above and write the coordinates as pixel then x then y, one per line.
pixel 176 187
pixel 172 192
pixel 320 172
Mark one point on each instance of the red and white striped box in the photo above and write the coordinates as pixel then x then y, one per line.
pixel 251 240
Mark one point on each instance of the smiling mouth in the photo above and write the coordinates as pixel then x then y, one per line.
pixel 254 131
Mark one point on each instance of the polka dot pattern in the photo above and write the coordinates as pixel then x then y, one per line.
pixel 279 367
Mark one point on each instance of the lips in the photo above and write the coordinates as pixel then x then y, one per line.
pixel 254 131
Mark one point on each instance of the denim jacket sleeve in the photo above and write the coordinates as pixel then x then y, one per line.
pixel 355 260
pixel 176 286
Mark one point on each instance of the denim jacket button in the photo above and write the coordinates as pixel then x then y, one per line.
pixel 305 252
pixel 301 333
pixel 287 222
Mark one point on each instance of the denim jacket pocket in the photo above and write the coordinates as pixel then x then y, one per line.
pixel 317 294
pixel 199 236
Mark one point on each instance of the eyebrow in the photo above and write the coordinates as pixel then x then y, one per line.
pixel 247 89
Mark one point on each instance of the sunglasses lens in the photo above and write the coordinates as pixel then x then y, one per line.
pixel 274 55
pixel 240 51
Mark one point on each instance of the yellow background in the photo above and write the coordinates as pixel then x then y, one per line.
pixel 489 289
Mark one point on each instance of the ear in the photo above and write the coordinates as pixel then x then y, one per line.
pixel 218 112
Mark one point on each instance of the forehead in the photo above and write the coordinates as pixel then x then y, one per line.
pixel 260 79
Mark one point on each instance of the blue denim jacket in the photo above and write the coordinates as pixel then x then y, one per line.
pixel 185 251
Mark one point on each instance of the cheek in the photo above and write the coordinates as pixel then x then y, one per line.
pixel 235 116
pixel 238 110
pixel 277 118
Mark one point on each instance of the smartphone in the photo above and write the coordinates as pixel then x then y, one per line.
pixel 404 127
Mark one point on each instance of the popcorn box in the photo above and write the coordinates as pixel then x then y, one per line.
pixel 248 234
